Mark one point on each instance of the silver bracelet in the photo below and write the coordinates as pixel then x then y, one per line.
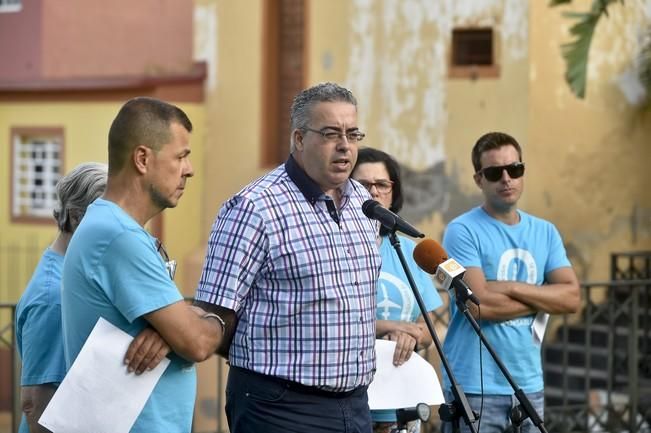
pixel 215 316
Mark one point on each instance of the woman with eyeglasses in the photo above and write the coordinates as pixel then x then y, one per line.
pixel 398 317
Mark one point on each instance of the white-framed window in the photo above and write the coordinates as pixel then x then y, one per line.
pixel 10 5
pixel 37 166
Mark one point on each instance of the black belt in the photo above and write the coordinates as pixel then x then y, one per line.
pixel 295 386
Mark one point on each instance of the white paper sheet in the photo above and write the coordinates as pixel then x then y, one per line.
pixel 98 395
pixel 539 326
pixel 413 382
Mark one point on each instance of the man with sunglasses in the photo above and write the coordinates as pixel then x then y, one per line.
pixel 517 266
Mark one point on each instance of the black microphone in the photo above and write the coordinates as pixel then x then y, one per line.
pixel 421 411
pixel 375 211
pixel 430 256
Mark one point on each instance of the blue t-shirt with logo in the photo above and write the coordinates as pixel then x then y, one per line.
pixel 525 252
pixel 395 299
pixel 113 270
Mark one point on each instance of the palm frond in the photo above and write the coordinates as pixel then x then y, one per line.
pixel 576 53
pixel 553 3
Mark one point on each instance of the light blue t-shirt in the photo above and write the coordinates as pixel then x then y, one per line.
pixel 395 300
pixel 112 270
pixel 38 326
pixel 524 252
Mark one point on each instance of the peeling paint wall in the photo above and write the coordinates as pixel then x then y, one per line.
pixel 586 159
pixel 398 67
pixel 394 56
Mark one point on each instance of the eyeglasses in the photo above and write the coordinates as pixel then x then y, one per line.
pixel 382 186
pixel 170 265
pixel 493 174
pixel 330 135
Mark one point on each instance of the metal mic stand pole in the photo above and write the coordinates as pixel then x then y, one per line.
pixel 459 408
pixel 524 409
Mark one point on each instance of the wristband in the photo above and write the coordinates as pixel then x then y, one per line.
pixel 216 317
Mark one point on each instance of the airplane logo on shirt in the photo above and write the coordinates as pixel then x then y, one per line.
pixel 385 304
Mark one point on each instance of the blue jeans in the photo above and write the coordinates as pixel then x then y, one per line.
pixel 257 403
pixel 495 417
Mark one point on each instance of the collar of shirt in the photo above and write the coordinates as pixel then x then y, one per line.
pixel 309 188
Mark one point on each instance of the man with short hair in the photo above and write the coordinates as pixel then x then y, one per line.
pixel 292 265
pixel 113 268
pixel 517 266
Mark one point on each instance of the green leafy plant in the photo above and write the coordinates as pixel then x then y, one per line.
pixel 576 53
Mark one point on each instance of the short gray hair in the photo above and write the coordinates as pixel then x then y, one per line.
pixel 75 191
pixel 301 111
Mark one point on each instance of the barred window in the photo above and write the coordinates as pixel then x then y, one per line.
pixel 37 167
pixel 472 47
pixel 474 53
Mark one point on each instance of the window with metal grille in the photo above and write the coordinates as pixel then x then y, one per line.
pixel 473 53
pixel 472 47
pixel 10 5
pixel 36 168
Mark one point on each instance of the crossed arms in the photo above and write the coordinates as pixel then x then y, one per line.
pixel 505 300
pixel 182 329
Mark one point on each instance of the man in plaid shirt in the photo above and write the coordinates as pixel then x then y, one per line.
pixel 291 269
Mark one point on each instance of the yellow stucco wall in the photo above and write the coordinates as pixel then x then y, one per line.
pixel 85 128
pixel 588 159
pixel 233 98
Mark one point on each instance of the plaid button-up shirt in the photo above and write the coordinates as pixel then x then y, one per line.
pixel 301 277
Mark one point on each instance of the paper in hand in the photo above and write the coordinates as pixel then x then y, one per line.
pixel 98 394
pixel 413 382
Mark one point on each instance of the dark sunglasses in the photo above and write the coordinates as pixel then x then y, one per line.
pixel 493 174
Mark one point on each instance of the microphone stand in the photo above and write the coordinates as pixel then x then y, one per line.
pixel 459 408
pixel 525 408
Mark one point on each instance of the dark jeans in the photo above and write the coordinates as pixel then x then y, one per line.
pixel 257 403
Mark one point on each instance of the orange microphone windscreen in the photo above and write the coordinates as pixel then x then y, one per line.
pixel 429 254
